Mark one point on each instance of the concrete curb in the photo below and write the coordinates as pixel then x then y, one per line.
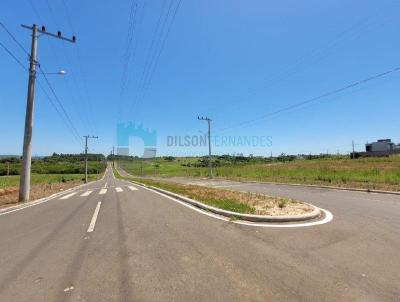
pixel 248 217
pixel 44 199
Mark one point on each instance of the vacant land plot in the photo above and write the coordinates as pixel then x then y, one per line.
pixel 42 185
pixel 369 173
pixel 248 203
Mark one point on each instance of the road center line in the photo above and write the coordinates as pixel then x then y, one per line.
pixel 118 189
pixel 103 191
pixel 105 185
pixel 94 218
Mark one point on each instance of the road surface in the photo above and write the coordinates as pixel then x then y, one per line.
pixel 113 241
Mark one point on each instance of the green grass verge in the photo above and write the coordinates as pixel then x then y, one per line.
pixel 187 191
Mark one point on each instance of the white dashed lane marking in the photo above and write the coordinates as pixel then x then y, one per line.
pixel 94 218
pixel 87 193
pixel 103 191
pixel 132 188
pixel 68 195
pixel 118 189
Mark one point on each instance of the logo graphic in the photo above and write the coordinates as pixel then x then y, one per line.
pixel 125 132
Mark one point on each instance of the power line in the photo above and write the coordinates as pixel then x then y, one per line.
pixel 15 39
pixel 148 83
pixel 59 112
pixel 315 55
pixel 68 122
pixel 128 52
pixel 148 62
pixel 13 56
pixel 155 56
pixel 324 95
pixel 87 100
pixel 76 133
pixel 68 16
pixel 82 118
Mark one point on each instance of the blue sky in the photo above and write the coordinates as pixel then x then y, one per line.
pixel 234 61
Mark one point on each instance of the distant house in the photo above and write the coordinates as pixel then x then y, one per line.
pixel 382 145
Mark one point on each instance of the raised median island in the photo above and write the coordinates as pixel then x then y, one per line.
pixel 251 206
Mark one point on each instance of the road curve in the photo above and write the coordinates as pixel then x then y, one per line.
pixel 142 246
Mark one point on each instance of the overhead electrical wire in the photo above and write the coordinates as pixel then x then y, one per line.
pixel 86 99
pixel 160 36
pixel 149 52
pixel 63 114
pixel 71 124
pixel 314 55
pixel 311 100
pixel 13 56
pixel 78 139
pixel 129 53
pixel 155 65
pixel 82 117
pixel 14 39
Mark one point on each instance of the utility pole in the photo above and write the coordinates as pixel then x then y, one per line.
pixel 209 144
pixel 25 179
pixel 86 152
pixel 352 154
pixel 113 156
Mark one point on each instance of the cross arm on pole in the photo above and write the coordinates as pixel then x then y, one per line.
pixel 43 31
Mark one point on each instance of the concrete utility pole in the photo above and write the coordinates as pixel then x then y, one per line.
pixel 210 175
pixel 113 156
pixel 25 179
pixel 352 155
pixel 86 152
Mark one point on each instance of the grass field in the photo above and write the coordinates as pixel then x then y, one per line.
pixel 51 174
pixel 62 167
pixel 13 180
pixel 247 203
pixel 370 173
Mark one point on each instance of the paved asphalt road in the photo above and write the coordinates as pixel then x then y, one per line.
pixel 146 247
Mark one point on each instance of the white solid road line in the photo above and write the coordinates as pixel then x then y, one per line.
pixel 94 218
pixel 328 216
pixel 68 195
pixel 103 191
pixel 132 188
pixel 87 193
pixel 118 189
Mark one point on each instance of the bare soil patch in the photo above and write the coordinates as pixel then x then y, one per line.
pixel 9 196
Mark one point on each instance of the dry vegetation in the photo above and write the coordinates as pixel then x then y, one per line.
pixel 259 203
pixel 241 202
pixel 9 195
pixel 379 173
